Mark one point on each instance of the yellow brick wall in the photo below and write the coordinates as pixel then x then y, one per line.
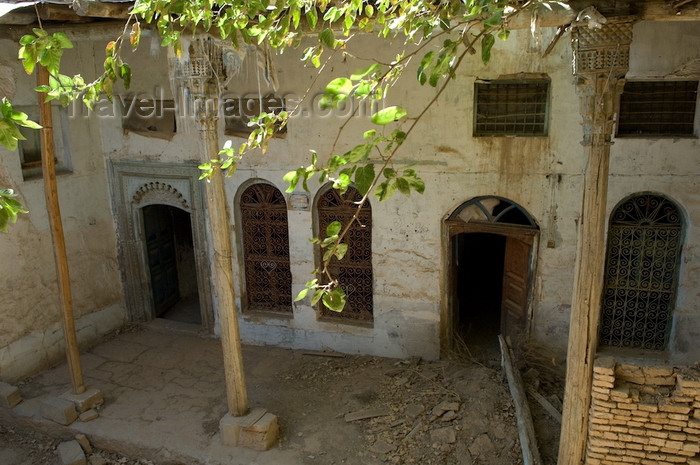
pixel 648 415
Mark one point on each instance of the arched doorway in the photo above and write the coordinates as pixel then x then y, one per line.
pixel 171 263
pixel 490 245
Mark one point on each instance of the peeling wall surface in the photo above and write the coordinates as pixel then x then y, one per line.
pixel 541 174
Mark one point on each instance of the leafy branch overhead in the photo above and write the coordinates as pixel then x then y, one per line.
pixel 437 36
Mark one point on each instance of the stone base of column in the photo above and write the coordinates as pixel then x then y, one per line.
pixel 88 400
pixel 257 430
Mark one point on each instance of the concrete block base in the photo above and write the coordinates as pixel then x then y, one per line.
pixel 88 400
pixel 257 430
pixel 9 395
pixel 58 410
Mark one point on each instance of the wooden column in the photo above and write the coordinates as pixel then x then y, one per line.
pixel 48 167
pixel 221 241
pixel 601 59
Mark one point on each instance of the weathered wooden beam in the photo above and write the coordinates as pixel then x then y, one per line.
pixel 97 9
pixel 48 166
pixel 526 429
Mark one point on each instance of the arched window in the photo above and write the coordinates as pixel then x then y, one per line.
pixel 641 273
pixel 268 281
pixel 354 271
pixel 492 209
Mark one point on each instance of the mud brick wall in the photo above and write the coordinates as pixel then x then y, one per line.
pixel 647 415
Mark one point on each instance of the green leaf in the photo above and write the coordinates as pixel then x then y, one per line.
pixel 125 74
pixel 62 40
pixel 341 250
pixel 424 63
pixel 361 73
pixel 385 190
pixel 333 229
pixel 335 300
pixel 403 186
pixel 301 294
pixel 364 177
pixel 327 37
pixel 388 115
pixel 358 153
pixel 389 173
pixel 486 44
pixel 312 16
pixel 317 296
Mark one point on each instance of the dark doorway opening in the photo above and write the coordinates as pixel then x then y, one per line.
pixel 479 267
pixel 171 264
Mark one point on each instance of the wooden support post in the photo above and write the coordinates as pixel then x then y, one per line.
pixel 48 167
pixel 221 240
pixel 601 58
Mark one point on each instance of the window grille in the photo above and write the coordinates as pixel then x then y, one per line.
pixel 354 271
pixel 641 273
pixel 30 148
pixel 239 111
pixel 511 108
pixel 150 117
pixel 658 108
pixel 268 279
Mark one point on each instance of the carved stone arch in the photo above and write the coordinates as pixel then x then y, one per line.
pixel 642 265
pixel 156 192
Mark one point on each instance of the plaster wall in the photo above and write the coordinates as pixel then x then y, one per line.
pixel 542 174
pixel 30 313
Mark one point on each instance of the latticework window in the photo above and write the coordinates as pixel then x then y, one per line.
pixel 658 108
pixel 641 273
pixel 505 108
pixel 354 271
pixel 268 280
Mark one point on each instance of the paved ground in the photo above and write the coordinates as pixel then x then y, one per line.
pixel 164 396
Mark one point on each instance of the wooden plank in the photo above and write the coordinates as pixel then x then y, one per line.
pixel 545 404
pixel 323 354
pixel 526 429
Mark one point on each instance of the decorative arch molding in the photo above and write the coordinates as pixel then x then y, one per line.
pixel 492 209
pixel 156 192
pixel 136 184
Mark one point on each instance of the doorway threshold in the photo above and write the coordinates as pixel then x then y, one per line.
pixel 171 326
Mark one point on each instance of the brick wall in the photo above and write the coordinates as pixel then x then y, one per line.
pixel 646 415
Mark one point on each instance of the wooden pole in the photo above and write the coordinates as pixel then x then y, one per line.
pixel 598 90
pixel 48 167
pixel 221 240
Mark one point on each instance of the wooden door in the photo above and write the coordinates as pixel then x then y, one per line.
pixel 162 259
pixel 515 287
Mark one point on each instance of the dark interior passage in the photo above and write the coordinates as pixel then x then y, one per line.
pixel 479 259
pixel 172 265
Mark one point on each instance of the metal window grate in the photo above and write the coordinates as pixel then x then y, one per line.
pixel 511 108
pixel 641 273
pixel 239 111
pixel 268 279
pixel 658 108
pixel 354 271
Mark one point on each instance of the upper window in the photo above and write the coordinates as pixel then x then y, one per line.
pixel 30 148
pixel 511 108
pixel 150 117
pixel 658 108
pixel 239 111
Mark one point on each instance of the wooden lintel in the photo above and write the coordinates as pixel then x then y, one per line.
pixel 97 9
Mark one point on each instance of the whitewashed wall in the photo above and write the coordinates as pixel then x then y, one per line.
pixel 542 174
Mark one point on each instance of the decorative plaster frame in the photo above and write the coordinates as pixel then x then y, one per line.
pixel 134 185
